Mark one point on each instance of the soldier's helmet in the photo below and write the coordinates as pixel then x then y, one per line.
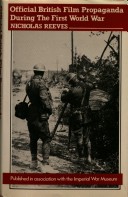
pixel 39 67
pixel 70 76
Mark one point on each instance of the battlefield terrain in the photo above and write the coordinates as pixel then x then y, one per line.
pixel 63 157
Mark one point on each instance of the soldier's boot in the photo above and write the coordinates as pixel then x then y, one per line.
pixel 34 162
pixel 89 159
pixel 46 153
pixel 80 154
pixel 87 152
pixel 80 151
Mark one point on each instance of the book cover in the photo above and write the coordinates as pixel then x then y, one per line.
pixel 64 98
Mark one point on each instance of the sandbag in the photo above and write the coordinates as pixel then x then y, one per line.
pixel 98 99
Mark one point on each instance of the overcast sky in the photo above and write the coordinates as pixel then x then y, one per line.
pixel 53 48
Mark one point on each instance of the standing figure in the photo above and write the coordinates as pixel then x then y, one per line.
pixel 80 117
pixel 40 109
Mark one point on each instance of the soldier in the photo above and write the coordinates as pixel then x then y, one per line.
pixel 80 118
pixel 39 111
pixel 16 77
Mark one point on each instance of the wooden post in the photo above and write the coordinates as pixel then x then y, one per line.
pixel 72 47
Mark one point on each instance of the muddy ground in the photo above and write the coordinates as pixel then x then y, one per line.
pixel 61 159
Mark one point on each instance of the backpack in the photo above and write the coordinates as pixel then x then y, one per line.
pixel 21 109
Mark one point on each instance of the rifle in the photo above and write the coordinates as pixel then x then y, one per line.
pixel 58 121
pixel 69 131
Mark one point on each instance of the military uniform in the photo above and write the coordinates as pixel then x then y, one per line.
pixel 80 116
pixel 39 111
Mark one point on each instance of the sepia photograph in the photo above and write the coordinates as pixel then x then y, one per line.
pixel 65 104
